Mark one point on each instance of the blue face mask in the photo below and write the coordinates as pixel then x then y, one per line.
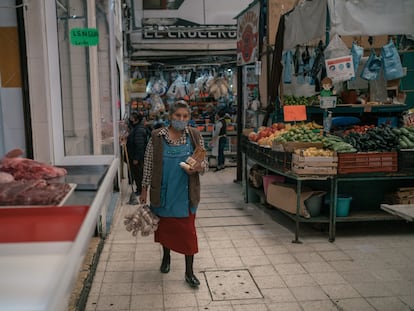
pixel 179 125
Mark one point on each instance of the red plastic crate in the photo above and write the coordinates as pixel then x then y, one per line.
pixel 367 162
pixel 41 224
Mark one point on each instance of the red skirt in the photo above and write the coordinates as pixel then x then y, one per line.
pixel 178 234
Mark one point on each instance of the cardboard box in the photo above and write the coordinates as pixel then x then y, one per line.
pixel 283 196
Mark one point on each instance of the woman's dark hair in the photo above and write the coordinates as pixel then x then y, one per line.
pixel 221 113
pixel 137 116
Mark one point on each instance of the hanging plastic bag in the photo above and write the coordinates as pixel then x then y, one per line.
pixel 336 48
pixel 372 67
pixel 357 52
pixel 391 62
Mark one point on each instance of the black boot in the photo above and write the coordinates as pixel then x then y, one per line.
pixel 190 278
pixel 166 259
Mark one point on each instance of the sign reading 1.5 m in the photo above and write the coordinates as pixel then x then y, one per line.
pixel 84 36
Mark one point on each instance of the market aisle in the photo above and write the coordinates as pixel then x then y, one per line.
pixel 247 262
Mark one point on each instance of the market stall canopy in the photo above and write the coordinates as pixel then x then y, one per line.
pixel 307 21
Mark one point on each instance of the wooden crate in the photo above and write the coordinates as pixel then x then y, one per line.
pixel 314 165
pixel 367 162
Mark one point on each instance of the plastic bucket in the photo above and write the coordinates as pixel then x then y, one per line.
pixel 314 204
pixel 268 179
pixel 343 204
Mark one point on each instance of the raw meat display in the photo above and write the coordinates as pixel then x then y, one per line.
pixel 32 192
pixel 23 168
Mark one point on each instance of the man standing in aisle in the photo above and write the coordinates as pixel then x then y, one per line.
pixel 219 139
pixel 136 143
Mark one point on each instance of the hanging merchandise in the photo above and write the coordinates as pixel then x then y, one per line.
pixel 372 67
pixel 178 88
pixel 157 105
pixel 357 52
pixel 157 85
pixel 338 61
pixel 287 66
pixel 218 87
pixel 391 62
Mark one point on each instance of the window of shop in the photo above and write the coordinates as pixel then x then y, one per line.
pixel 85 79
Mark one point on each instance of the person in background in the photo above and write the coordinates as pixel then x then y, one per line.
pixel 136 143
pixel 219 139
pixel 174 190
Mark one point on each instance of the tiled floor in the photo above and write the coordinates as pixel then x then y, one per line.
pixel 247 262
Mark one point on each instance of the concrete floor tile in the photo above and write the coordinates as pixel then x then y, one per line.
pixel 359 276
pixel 92 302
pixel 177 286
pixel 245 243
pixel 372 289
pixel 250 251
pixel 315 267
pixel 388 275
pixel 263 270
pixel 269 282
pixel 340 291
pixel 284 306
pixel 274 249
pixel 323 247
pixel 353 304
pixel 117 277
pixel 308 257
pixel 388 303
pixel 249 307
pixel 408 300
pixel 110 289
pixel 277 259
pixel 320 305
pixel 334 255
pixel 120 266
pixel 229 262
pixel 400 288
pixel 220 244
pixel 184 301
pixel 122 256
pixel 113 303
pixel 142 288
pixel 307 293
pixel 224 252
pixel 273 295
pixel 325 278
pixel 345 265
pixel 147 301
pixel 252 261
pixel 298 280
pixel 289 268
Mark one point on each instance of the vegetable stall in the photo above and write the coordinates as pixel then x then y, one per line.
pixel 357 144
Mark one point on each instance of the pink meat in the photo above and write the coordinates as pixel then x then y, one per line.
pixel 32 192
pixel 23 168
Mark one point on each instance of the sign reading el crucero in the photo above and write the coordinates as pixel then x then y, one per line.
pixel 84 36
pixel 248 35
pixel 190 32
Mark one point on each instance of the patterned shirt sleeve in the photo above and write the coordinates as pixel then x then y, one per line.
pixel 147 174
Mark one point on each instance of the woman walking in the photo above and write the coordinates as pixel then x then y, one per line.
pixel 174 190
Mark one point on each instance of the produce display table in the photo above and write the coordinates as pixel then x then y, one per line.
pixel 299 181
pixel 334 182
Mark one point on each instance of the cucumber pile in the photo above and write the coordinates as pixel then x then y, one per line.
pixel 381 139
pixel 405 137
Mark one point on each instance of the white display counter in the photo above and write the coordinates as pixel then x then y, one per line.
pixel 40 276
